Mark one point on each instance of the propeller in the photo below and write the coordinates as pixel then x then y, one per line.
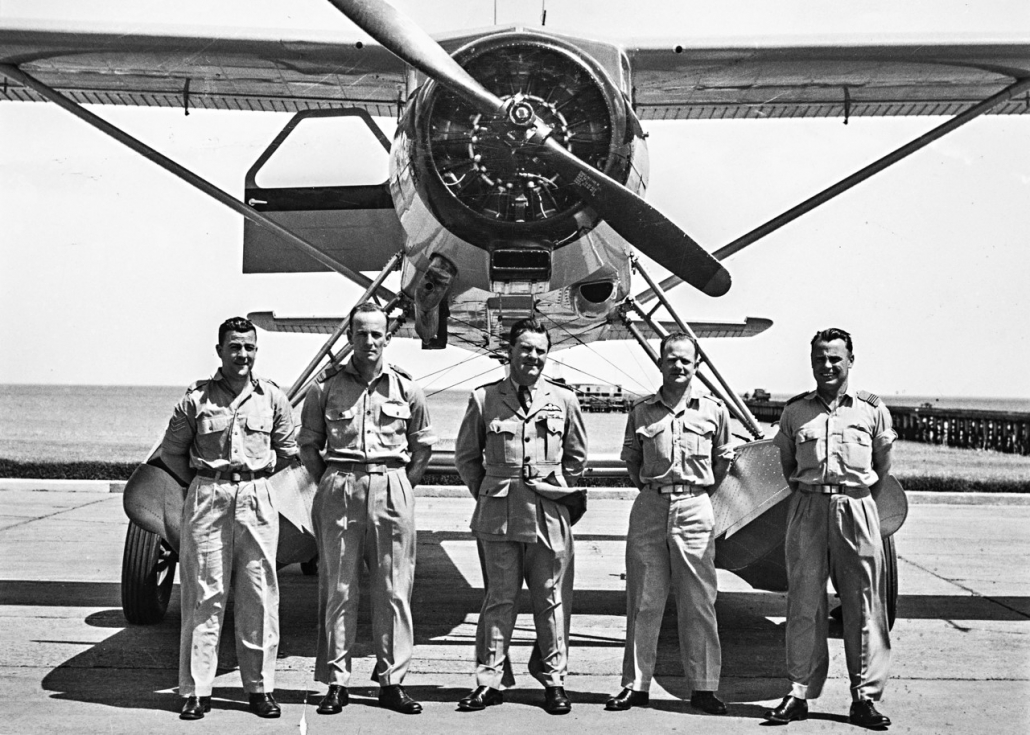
pixel 635 220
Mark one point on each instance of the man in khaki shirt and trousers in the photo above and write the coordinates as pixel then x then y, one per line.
pixel 835 448
pixel 232 431
pixel 521 444
pixel 371 419
pixel 677 449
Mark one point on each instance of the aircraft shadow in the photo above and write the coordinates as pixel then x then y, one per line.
pixel 137 666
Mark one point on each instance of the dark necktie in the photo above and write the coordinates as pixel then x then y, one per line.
pixel 524 398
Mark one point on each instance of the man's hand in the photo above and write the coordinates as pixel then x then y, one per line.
pixel 311 458
pixel 420 457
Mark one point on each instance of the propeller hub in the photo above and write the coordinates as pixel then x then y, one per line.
pixel 521 113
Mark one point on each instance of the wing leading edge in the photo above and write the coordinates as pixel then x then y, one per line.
pixel 671 79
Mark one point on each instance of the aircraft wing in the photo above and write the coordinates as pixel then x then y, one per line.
pixel 883 76
pixel 671 78
pixel 270 322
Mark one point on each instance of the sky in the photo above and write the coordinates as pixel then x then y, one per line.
pixel 112 271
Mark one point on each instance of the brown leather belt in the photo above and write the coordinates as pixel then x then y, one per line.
pixel 233 475
pixel 368 468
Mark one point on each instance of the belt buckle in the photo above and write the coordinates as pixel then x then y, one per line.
pixel 235 476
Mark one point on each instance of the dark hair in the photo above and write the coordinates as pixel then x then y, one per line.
pixel 235 324
pixel 828 335
pixel 527 325
pixel 676 337
pixel 365 307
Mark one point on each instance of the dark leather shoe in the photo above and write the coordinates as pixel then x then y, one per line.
pixel 193 708
pixel 334 700
pixel 707 702
pixel 864 714
pixel 394 697
pixel 263 704
pixel 555 701
pixel 626 699
pixel 790 709
pixel 480 698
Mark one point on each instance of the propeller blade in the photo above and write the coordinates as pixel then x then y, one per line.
pixel 398 34
pixel 635 220
pixel 641 225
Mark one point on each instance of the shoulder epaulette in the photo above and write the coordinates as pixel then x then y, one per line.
pixel 798 397
pixel 270 382
pixel 559 383
pixel 871 398
pixel 400 371
pixel 712 397
pixel 492 382
pixel 197 385
pixel 640 400
pixel 329 372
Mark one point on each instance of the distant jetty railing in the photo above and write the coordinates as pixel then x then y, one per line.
pixel 1000 431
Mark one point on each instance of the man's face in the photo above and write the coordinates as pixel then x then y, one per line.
pixel 369 337
pixel 527 356
pixel 679 363
pixel 238 352
pixel 831 362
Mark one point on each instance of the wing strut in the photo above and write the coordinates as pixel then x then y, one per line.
pixel 189 177
pixel 720 387
pixel 856 178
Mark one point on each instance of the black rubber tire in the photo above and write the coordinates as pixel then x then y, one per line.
pixel 890 570
pixel 148 573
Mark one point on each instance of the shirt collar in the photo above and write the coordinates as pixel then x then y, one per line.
pixel 849 392
pixel 348 367
pixel 218 377
pixel 694 392
pixel 516 386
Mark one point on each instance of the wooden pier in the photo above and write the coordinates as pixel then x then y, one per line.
pixel 999 431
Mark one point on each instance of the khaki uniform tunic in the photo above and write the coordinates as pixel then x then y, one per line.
pixel 835 535
pixel 514 463
pixel 364 512
pixel 670 541
pixel 230 530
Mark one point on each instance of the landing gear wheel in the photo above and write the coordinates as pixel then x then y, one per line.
pixel 890 570
pixel 148 572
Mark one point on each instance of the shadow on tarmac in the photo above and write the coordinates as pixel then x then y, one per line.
pixel 137 666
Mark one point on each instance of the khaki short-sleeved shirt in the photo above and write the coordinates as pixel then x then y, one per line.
pixel 223 431
pixel 354 422
pixel 835 447
pixel 677 447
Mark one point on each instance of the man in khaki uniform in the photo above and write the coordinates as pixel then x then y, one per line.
pixel 372 420
pixel 232 430
pixel 835 447
pixel 677 448
pixel 520 445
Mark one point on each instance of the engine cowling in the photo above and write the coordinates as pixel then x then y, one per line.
pixel 473 172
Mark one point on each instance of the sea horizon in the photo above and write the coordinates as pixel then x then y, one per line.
pixel 121 423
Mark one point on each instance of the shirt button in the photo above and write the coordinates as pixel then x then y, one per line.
pixel 527 440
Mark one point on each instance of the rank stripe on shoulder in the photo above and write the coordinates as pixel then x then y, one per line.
pixel 871 398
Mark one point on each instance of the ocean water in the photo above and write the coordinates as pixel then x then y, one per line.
pixel 83 423
pixel 77 423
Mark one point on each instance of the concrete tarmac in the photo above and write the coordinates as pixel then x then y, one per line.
pixel 69 662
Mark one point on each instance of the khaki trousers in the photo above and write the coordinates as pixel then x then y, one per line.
pixel 670 544
pixel 362 518
pixel 230 532
pixel 836 535
pixel 506 564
